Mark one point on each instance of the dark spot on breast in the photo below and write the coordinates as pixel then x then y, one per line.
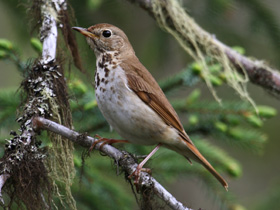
pixel 116 53
pixel 97 80
pixel 106 72
pixel 106 82
pixel 107 58
pixel 112 89
pixel 103 90
pixel 100 65
pixel 119 103
pixel 102 80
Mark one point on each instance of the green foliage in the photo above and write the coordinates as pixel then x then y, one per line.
pixel 6 45
pixel 8 51
pixel 9 102
pixel 266 111
pixel 187 77
pixel 239 49
pixel 6 48
pixel 86 115
pixel 97 179
pixel 233 121
pixel 94 4
pixel 36 44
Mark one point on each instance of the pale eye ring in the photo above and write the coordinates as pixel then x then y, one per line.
pixel 106 33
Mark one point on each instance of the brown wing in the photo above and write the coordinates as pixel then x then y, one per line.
pixel 144 85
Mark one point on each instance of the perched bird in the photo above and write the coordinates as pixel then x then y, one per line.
pixel 131 100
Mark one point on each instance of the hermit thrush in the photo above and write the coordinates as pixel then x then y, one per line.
pixel 131 100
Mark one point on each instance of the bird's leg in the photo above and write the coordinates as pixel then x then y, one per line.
pixel 105 141
pixel 140 168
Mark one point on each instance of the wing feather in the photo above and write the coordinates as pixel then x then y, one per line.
pixel 159 104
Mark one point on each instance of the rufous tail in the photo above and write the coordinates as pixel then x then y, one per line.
pixel 207 165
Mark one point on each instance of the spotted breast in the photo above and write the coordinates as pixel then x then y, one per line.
pixel 114 101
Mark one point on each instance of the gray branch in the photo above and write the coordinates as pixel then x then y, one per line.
pixel 258 74
pixel 3 178
pixel 125 160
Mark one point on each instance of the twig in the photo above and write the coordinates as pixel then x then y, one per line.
pixel 125 160
pixel 258 74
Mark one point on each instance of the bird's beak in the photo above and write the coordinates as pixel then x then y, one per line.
pixel 85 32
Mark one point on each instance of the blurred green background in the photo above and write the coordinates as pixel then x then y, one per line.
pixel 251 24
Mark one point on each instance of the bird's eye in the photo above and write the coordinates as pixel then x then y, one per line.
pixel 106 33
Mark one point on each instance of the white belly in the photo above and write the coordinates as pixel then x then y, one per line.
pixel 127 113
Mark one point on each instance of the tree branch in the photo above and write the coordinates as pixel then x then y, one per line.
pixel 3 178
pixel 258 73
pixel 38 91
pixel 123 159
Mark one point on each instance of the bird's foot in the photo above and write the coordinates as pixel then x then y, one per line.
pixel 105 141
pixel 136 175
pixel 139 168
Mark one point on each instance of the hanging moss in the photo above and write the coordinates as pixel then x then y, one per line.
pixel 171 16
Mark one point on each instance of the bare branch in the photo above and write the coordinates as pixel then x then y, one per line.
pixel 125 160
pixel 258 73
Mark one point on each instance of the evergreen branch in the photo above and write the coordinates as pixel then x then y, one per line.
pixel 220 159
pixel 186 77
pixel 257 72
pixel 209 107
pixel 125 160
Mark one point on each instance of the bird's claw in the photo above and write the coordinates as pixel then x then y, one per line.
pixel 105 141
pixel 100 139
pixel 136 175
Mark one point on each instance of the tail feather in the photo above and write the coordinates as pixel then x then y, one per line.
pixel 207 165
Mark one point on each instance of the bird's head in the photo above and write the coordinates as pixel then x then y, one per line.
pixel 106 38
